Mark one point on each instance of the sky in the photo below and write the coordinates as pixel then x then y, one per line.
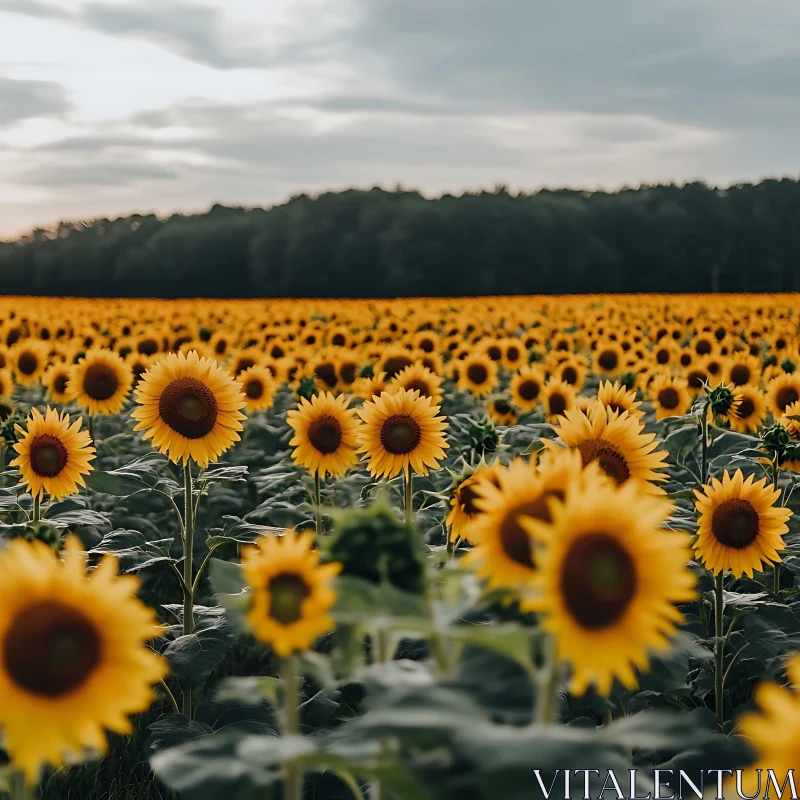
pixel 109 107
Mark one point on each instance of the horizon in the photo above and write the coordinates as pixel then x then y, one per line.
pixel 174 106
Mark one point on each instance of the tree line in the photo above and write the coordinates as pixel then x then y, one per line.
pixel 377 243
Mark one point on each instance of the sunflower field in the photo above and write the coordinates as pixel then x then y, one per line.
pixel 451 548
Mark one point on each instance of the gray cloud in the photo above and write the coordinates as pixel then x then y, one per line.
pixel 96 174
pixel 33 8
pixel 24 99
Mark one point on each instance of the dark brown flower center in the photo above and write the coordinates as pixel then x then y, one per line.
pixel 5 411
pixel 188 407
pixel 529 389
pixel 419 386
pixel 254 388
pixel 494 352
pixel 287 592
pixel 734 523
pixel 325 434
pixel 100 381
pixel 703 347
pixel 608 458
pixel 466 497
pixel 668 398
pixel 557 404
pixel 326 372
pixel 400 434
pixel 685 359
pixel 51 649
pixel 740 374
pixel 60 383
pixel 746 408
pixel 347 372
pixel 48 455
pixel 696 378
pixel 512 353
pixel 147 347
pixel 608 360
pixel 502 406
pixel 477 374
pixel 786 396
pixel 662 355
pixel 396 364
pixel 569 375
pixel 514 538
pixel 598 580
pixel 243 363
pixel 27 363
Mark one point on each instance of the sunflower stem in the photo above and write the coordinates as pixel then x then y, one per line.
pixel 408 486
pixel 37 508
pixel 292 772
pixel 719 645
pixel 776 573
pixel 547 685
pixel 704 443
pixel 188 551
pixel 318 503
pixel 21 789
pixel 91 427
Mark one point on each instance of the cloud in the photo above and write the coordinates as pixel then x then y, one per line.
pixel 33 8
pixel 27 99
pixel 95 174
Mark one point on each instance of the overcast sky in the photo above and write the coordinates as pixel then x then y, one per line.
pixel 113 106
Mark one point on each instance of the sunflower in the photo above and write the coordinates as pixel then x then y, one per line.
pixel 259 388
pixel 503 554
pixel 740 527
pixel 75 656
pixel 189 407
pixel 56 381
pixel 28 360
pixel 608 358
pixel 420 378
pixel 324 438
pixel 499 408
pixel 291 591
pixel 617 398
pixel 401 434
pixel 371 386
pixel 478 374
pixel 463 510
pixel 781 392
pixel 750 410
pixel 608 580
pixel 53 455
pixel 514 355
pixel 671 397
pixel 773 731
pixel 742 369
pixel 242 360
pixel 558 397
pixel 618 444
pixel 139 364
pixel 6 382
pixel 101 381
pixel 571 370
pixel 526 388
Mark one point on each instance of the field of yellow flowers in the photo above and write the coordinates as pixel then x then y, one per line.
pixel 457 549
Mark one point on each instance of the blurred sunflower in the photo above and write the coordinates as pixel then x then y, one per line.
pixel 27 360
pixel 526 388
pixel 463 510
pixel 76 660
pixel 500 409
pixel 189 407
pixel 740 526
pixel 258 386
pixel 401 433
pixel 558 397
pixel 56 381
pixel 608 358
pixel 291 591
pixel 782 392
pixel 618 398
pixel 750 411
pixel 478 374
pixel 324 438
pixel 101 381
pixel 419 378
pixel 670 395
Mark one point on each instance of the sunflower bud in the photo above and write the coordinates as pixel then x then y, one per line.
pixel 787 365
pixel 373 544
pixel 628 380
pixel 41 531
pixel 483 436
pixel 8 433
pixel 775 440
pixel 720 400
pixel 367 370
pixel 307 387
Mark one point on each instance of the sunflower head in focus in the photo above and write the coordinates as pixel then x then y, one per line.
pixel 56 380
pixel 618 443
pixel 291 591
pixel 53 456
pixel 608 580
pixel 740 526
pixel 401 433
pixel 258 386
pixel 189 407
pixel 101 381
pixel 324 438
pixel 76 660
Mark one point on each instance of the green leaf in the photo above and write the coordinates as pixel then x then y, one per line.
pixel 235 529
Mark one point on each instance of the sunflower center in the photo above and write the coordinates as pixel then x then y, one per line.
pixel 502 406
pixel 746 408
pixel 100 382
pixel 395 364
pixel 557 404
pixel 27 363
pixel 48 455
pixel 347 372
pixel 514 539
pixel 477 373
pixel 608 360
pixel 662 355
pixel 696 378
pixel 735 523
pixel 703 347
pixel 60 383
pixel 529 390
pixel 512 354
pixel 326 373
pixel 51 649
pixel 188 407
pixel 466 499
pixel 325 434
pixel 494 352
pixel 419 386
pixel 786 396
pixel 598 580
pixel 5 411
pixel 616 408
pixel 244 363
pixel 287 592
pixel 668 398
pixel 569 375
pixel 740 374
pixel 400 434
pixel 254 389
pixel 608 458
pixel 147 347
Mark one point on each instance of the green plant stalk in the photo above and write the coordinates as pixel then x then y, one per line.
pixel 704 444
pixel 21 789
pixel 292 771
pixel 37 508
pixel 318 503
pixel 91 427
pixel 719 646
pixel 776 573
pixel 188 551
pixel 547 686
pixel 408 486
